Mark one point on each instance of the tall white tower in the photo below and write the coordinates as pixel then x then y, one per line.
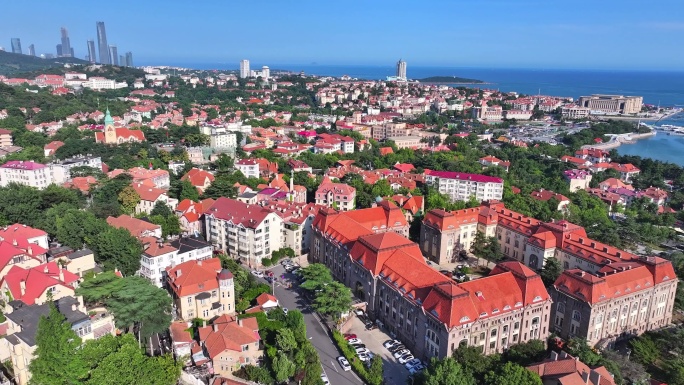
pixel 265 72
pixel 244 69
pixel 401 69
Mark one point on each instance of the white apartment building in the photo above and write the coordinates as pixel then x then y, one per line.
pixel 219 137
pixel 159 255
pixel 26 173
pixel 461 186
pixel 100 83
pixel 61 171
pixel 245 231
pixel 248 167
pixel 244 69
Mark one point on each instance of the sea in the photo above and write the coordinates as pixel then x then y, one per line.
pixel 663 88
pixel 663 147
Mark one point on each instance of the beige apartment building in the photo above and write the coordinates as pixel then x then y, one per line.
pixel 621 300
pixel 612 103
pixel 444 234
pixel 201 289
pixel 408 141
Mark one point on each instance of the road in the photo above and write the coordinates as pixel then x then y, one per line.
pixel 315 331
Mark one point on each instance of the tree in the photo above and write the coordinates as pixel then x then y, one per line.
pixel 117 248
pixel 579 348
pixel 285 340
pixel 473 361
pixel 221 187
pixel 316 272
pixel 75 228
pixel 512 374
pixel 129 198
pixel 258 374
pixel 139 302
pixel 127 364
pixel 98 288
pixel 445 372
pixel 161 208
pixel 551 271
pixel 375 371
pixel 224 162
pixel 526 353
pixel 645 350
pixel 188 191
pixel 282 367
pixel 55 361
pixel 333 299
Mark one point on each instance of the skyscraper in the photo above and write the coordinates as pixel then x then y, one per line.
pixel 244 69
pixel 32 50
pixel 113 55
pixel 92 55
pixel 16 45
pixel 66 44
pixel 102 43
pixel 59 50
pixel 129 59
pixel 401 69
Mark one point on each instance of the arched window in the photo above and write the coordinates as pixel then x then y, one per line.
pixel 534 261
pixel 576 316
pixel 560 308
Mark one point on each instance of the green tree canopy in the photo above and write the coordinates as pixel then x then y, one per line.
pixel 445 372
pixel 333 299
pixel 139 302
pixel 512 374
pixel 117 248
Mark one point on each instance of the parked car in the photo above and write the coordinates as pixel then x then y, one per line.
pixel 285 310
pixel 396 348
pixel 363 357
pixel 401 352
pixel 416 369
pixel 412 363
pixel 355 341
pixel 358 346
pixel 344 363
pixel 325 380
pixel 390 343
pixel 370 325
pixel 361 351
pixel 257 274
pixel 349 336
pixel 359 313
pixel 285 261
pixel 405 358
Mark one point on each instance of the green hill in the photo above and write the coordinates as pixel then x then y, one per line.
pixel 13 63
pixel 450 80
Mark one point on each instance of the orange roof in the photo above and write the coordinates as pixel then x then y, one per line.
pixel 18 230
pixel 230 334
pixel 147 193
pixel 135 226
pixel 198 177
pixel 263 298
pixel 568 370
pixel 444 220
pixel 193 277
pixel 386 150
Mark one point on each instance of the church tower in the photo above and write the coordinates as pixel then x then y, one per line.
pixel 109 130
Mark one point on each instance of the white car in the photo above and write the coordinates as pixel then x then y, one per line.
pixel 390 343
pixel 364 357
pixel 362 351
pixel 405 358
pixel 355 341
pixel 401 352
pixel 257 274
pixel 285 310
pixel 344 363
pixel 325 380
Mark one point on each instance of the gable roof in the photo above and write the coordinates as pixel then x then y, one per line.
pixel 135 226
pixel 194 277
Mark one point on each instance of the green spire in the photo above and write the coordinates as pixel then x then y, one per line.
pixel 108 119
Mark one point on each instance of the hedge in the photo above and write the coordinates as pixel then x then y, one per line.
pixel 350 354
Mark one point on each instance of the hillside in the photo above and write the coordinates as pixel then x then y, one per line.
pixel 12 63
pixel 450 80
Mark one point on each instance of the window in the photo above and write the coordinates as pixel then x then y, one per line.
pixel 576 316
pixel 492 345
pixel 516 326
pixel 560 308
pixel 205 313
pixel 492 333
pixel 505 329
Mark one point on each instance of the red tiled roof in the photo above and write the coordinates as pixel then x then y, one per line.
pixel 229 335
pixel 36 281
pixel 18 230
pixel 193 277
pixel 198 177
pixel 134 225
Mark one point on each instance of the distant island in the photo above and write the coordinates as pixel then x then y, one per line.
pixel 450 80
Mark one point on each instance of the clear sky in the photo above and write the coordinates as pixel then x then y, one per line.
pixel 602 34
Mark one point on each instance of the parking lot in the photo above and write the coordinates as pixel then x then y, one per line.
pixel 395 373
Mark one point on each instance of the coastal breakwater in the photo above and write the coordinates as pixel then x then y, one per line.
pixel 618 139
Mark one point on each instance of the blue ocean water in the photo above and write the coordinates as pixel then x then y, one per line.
pixel 657 87
pixel 664 147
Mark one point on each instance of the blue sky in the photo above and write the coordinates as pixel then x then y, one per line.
pixel 601 34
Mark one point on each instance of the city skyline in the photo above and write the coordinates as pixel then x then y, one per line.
pixel 573 35
pixel 102 45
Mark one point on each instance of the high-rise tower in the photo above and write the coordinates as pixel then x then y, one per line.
pixel 113 55
pixel 401 69
pixel 32 50
pixel 92 54
pixel 66 44
pixel 102 46
pixel 129 59
pixel 244 69
pixel 16 45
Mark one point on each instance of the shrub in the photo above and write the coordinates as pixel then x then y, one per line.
pixel 350 354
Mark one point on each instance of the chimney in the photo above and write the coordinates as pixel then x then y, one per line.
pixel 585 377
pixel 204 323
pixel 215 326
pixel 61 273
pixel 563 354
pixel 199 262
pixel 74 306
pixel 239 322
pixel 22 286
pixel 45 269
pixel 594 377
pixel 554 356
